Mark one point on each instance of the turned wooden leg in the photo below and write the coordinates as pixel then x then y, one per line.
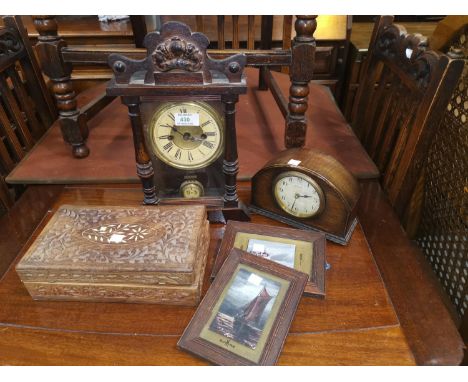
pixel 230 162
pixel 233 208
pixel 301 71
pixel 143 161
pixel 72 123
pixel 49 46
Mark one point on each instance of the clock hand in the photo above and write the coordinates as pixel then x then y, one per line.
pixel 296 196
pixel 177 131
pixel 170 137
pixel 304 196
pixel 186 136
pixel 173 128
pixel 200 138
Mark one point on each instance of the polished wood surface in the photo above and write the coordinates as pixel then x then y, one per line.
pixel 355 324
pixel 375 347
pixel 424 311
pixel 446 32
pixel 258 119
pixel 17 225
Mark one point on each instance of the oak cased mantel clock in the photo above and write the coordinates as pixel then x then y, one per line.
pixel 181 105
pixel 310 190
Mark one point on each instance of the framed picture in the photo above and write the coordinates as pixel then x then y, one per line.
pixel 246 313
pixel 294 248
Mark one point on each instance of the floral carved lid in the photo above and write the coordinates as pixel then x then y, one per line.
pixel 107 238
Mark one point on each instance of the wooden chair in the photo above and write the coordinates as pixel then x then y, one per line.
pixel 399 105
pixel 442 232
pixel 56 58
pixel 26 108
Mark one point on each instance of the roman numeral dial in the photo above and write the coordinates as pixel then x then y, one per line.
pixel 187 135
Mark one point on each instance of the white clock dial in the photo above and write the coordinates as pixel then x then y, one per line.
pixel 187 135
pixel 298 194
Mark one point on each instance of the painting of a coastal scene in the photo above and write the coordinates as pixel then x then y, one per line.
pixel 246 308
pixel 281 253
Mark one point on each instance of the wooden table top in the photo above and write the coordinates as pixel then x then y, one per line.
pixel 355 324
pixel 259 124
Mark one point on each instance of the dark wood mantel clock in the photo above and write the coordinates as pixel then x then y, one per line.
pixel 181 104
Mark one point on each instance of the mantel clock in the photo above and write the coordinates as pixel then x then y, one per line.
pixel 181 105
pixel 310 190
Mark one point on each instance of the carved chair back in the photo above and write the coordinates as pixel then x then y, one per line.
pixel 299 54
pixel 442 233
pixel 26 109
pixel 399 105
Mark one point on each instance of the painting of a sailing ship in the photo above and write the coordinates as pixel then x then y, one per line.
pixel 246 308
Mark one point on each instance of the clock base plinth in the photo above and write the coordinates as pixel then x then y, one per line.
pixel 339 239
pixel 239 212
pixel 215 206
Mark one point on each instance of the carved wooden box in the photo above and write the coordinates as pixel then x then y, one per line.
pixel 124 254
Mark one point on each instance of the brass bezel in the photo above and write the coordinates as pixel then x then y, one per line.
pixel 185 183
pixel 209 110
pixel 308 179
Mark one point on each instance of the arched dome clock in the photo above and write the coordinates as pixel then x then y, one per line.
pixel 309 190
pixel 181 105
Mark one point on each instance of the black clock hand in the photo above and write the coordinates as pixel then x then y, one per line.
pixel 187 136
pixel 296 196
pixel 170 137
pixel 173 128
pixel 177 131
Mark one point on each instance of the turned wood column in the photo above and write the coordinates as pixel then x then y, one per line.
pixel 230 162
pixel 143 160
pixel 48 48
pixel 302 65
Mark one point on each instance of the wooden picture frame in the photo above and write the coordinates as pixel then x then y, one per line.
pixel 246 313
pixel 309 256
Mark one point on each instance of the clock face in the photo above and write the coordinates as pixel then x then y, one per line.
pixel 187 135
pixel 298 194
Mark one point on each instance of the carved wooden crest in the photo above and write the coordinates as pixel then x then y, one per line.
pixel 10 45
pixel 175 54
pixel 176 47
pixel 409 50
